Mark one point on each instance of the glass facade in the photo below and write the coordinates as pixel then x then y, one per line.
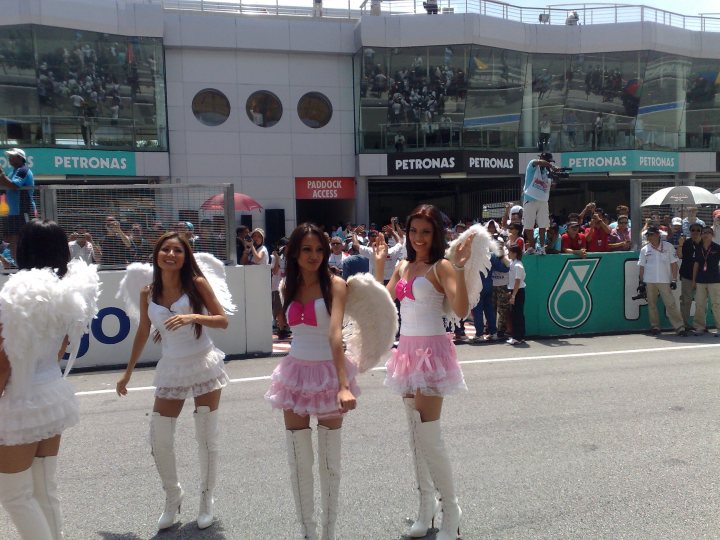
pixel 473 96
pixel 74 88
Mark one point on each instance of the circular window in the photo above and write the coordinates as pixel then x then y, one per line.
pixel 264 108
pixel 314 109
pixel 211 107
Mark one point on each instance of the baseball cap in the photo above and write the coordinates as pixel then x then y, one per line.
pixel 678 221
pixel 547 156
pixel 652 229
pixel 16 152
pixel 517 209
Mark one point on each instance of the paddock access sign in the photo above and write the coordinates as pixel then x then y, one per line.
pixel 58 161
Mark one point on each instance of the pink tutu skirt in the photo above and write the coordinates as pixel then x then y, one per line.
pixel 427 364
pixel 308 387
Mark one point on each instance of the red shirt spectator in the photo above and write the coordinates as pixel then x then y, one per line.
pixel 597 240
pixel 576 242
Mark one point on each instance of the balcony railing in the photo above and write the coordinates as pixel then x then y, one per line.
pixel 557 14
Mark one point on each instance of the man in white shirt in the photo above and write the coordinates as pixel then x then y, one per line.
pixel 83 248
pixel 394 254
pixel 336 255
pixel 658 275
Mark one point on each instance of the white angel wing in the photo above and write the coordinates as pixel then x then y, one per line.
pixel 80 290
pixel 482 246
pixel 214 271
pixel 373 319
pixel 137 276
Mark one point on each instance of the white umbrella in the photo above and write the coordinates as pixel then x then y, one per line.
pixel 681 195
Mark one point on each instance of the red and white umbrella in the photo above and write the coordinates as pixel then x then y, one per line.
pixel 243 203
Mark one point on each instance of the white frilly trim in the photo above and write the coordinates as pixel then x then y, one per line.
pixel 193 375
pixel 373 321
pixel 479 262
pixel 39 299
pixel 46 410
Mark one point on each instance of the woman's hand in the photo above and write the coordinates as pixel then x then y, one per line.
pixel 380 249
pixel 346 400
pixel 121 386
pixel 463 252
pixel 177 321
pixel 511 301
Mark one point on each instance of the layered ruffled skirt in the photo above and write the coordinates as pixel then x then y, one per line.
pixel 181 377
pixel 48 409
pixel 427 364
pixel 308 387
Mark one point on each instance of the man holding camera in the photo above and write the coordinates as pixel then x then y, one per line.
pixel 658 277
pixel 536 194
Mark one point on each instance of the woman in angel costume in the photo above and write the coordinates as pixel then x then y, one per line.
pixel 424 367
pixel 179 299
pixel 37 404
pixel 316 378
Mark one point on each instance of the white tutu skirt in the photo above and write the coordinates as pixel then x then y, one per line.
pixel 181 377
pixel 49 409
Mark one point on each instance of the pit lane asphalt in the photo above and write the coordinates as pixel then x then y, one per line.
pixel 602 437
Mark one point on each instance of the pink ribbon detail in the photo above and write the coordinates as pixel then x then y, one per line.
pixel 302 314
pixel 403 289
pixel 424 358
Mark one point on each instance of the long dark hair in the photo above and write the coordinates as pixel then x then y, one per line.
pixel 189 271
pixel 430 213
pixel 42 243
pixel 293 278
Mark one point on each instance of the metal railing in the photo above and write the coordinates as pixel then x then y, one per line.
pixel 262 8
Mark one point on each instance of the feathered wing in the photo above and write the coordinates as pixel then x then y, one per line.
pixel 80 290
pixel 37 309
pixel 137 276
pixel 373 321
pixel 479 262
pixel 214 271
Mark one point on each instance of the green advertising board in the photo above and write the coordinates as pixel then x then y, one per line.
pixel 59 161
pixel 620 161
pixel 569 295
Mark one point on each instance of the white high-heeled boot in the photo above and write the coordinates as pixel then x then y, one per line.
pixel 162 441
pixel 44 472
pixel 429 504
pixel 433 449
pixel 300 459
pixel 329 449
pixel 16 496
pixel 206 433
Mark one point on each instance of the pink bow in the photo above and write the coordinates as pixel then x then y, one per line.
pixel 424 358
pixel 302 314
pixel 403 289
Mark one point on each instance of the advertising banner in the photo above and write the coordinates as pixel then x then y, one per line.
pixel 60 161
pixel 620 161
pixel 325 187
pixel 454 161
pixel 569 295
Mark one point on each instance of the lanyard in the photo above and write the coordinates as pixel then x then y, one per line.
pixel 705 255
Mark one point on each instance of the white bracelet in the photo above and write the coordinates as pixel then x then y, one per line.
pixel 458 268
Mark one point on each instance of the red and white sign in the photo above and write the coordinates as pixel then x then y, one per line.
pixel 325 188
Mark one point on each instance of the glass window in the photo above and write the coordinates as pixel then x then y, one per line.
pixel 211 107
pixel 264 108
pixel 314 109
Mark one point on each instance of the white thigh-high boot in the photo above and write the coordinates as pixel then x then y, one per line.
pixel 433 448
pixel 206 433
pixel 16 496
pixel 44 472
pixel 429 505
pixel 162 440
pixel 329 446
pixel 300 459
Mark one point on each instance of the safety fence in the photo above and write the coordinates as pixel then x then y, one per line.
pixel 119 224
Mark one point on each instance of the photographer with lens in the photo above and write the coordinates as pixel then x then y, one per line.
pixel 539 176
pixel 658 277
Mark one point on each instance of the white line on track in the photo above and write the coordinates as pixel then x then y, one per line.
pixel 464 362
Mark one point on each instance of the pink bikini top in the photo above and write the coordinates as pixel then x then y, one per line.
pixel 403 289
pixel 302 313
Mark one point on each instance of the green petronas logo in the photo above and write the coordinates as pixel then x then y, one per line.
pixel 570 302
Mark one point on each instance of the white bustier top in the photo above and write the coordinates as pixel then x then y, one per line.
pixel 180 342
pixel 421 308
pixel 310 325
pixel 47 367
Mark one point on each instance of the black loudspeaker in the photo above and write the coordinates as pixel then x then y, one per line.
pixel 274 226
pixel 246 220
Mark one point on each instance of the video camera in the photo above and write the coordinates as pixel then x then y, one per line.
pixel 559 173
pixel 641 292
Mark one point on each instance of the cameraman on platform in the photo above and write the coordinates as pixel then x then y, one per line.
pixel 536 194
pixel 658 276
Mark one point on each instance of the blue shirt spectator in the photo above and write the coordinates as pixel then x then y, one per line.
pixel 354 264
